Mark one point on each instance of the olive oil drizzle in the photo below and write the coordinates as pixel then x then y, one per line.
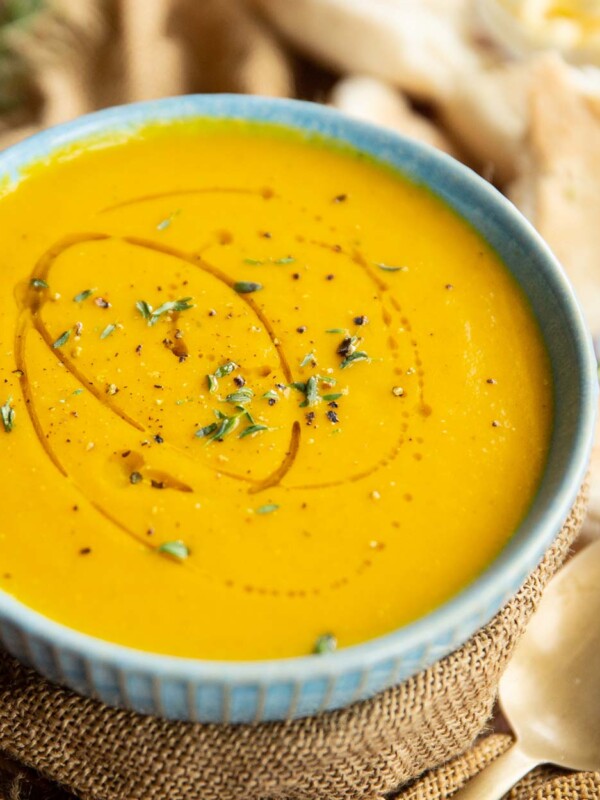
pixel 31 302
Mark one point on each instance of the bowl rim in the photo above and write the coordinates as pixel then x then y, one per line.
pixel 491 585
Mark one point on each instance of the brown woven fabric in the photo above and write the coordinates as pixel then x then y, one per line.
pixel 360 753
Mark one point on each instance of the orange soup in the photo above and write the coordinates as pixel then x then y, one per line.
pixel 260 395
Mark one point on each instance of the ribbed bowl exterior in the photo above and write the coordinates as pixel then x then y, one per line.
pixel 216 700
pixel 206 691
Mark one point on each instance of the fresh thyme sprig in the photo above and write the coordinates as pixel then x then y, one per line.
pixel 152 316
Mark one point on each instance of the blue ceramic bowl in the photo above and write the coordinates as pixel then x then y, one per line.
pixel 280 689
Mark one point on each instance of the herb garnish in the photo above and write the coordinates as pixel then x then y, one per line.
pixel 251 430
pixel 257 262
pixel 335 396
pixel 201 433
pixel 227 426
pixel 166 222
pixel 359 355
pixel 310 389
pixel 176 549
pixel 389 267
pixel 7 415
pixel 312 392
pixel 267 509
pixel 247 287
pixel 326 643
pixel 79 298
pixel 110 328
pixel 152 316
pixel 271 395
pixel 308 358
pixel 225 369
pixel 62 339
pixel 336 330
pixel 38 283
pixel 242 396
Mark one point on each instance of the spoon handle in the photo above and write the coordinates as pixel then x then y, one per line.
pixel 499 777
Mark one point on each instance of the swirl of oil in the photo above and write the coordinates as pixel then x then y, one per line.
pixel 32 302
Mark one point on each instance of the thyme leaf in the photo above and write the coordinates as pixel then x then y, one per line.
pixel 201 433
pixel 144 309
pixel 176 549
pixel 242 396
pixel 359 355
pixel 326 643
pixel 312 392
pixel 268 508
pixel 110 328
pixel 166 222
pixel 7 415
pixel 79 298
pixel 227 426
pixel 251 430
pixel 62 339
pixel 247 287
pixel 308 358
pixel 390 267
pixel 225 369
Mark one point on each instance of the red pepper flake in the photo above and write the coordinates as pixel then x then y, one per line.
pixel 85 551
pixel 158 439
pixel 239 381
pixel 361 320
pixel 449 286
pixel 310 416
pixel 138 349
pixel 295 276
pixel 101 302
pixel 332 416
pixel 491 380
pixel 157 484
pixel 495 423
pixel 329 277
pixel 340 198
pixel 301 329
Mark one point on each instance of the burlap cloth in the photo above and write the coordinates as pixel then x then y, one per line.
pixel 368 751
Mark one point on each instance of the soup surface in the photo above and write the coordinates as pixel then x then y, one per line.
pixel 257 392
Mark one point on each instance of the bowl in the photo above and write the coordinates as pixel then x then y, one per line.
pixel 236 692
